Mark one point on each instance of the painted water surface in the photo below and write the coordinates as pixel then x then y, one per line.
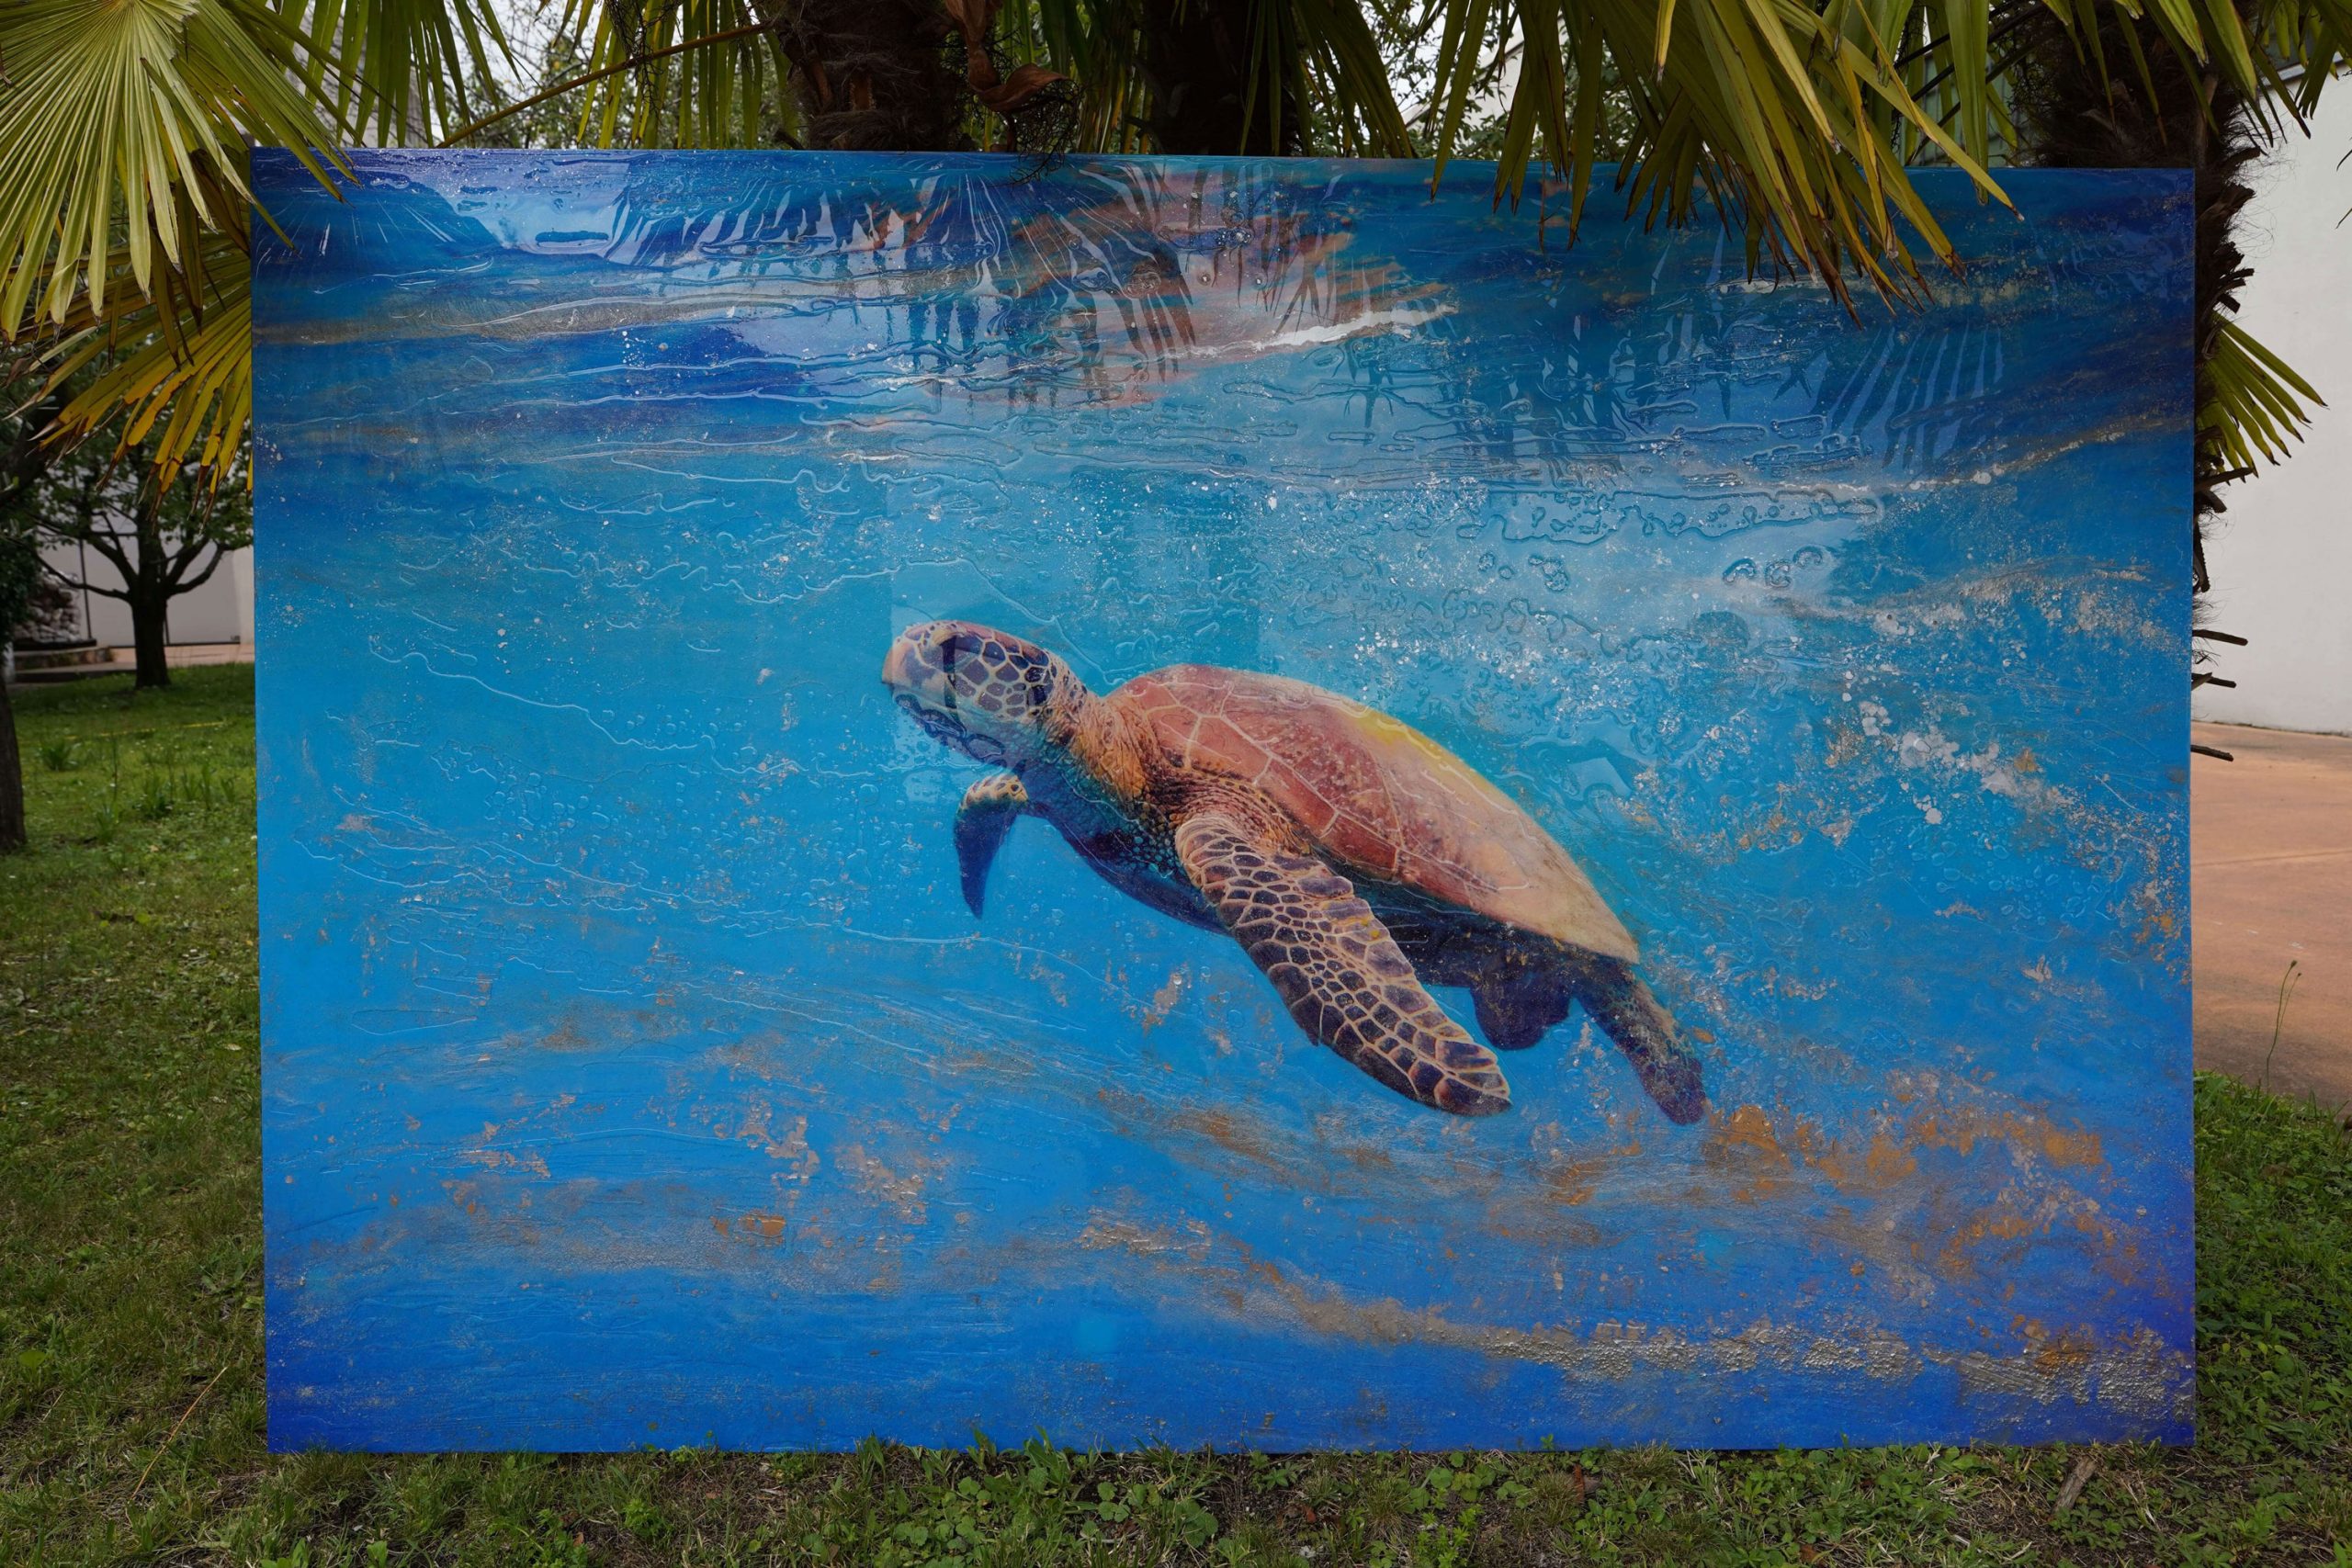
pixel 670 1040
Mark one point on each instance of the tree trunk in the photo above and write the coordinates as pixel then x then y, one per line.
pixel 1196 64
pixel 149 631
pixel 875 75
pixel 149 598
pixel 12 778
pixel 888 76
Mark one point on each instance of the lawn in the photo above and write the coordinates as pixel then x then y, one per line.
pixel 131 1412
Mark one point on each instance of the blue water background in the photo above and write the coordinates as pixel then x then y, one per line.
pixel 633 1074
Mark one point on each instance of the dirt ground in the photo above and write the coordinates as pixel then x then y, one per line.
pixel 2270 870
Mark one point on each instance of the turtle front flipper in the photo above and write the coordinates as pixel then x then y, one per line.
pixel 990 809
pixel 1341 973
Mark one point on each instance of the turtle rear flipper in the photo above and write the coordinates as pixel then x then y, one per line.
pixel 1518 1002
pixel 1341 975
pixel 1644 1032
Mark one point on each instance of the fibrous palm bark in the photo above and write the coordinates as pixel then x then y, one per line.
pixel 875 75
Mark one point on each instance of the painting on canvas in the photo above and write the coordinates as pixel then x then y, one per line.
pixel 1210 802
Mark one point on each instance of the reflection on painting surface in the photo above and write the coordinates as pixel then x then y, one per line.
pixel 1455 842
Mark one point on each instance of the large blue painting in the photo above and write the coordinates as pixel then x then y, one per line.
pixel 1213 803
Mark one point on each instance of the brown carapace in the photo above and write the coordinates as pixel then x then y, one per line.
pixel 1353 859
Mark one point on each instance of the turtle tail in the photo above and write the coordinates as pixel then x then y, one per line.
pixel 1626 1011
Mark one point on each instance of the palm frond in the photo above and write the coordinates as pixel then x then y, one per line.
pixel 1350 85
pixel 2255 404
pixel 190 393
pixel 718 81
pixel 123 124
pixel 177 360
pixel 123 200
pixel 130 117
pixel 393 72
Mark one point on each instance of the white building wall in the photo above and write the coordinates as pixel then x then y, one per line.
pixel 2281 557
pixel 220 611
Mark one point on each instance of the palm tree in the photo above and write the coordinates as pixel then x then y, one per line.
pixel 1794 123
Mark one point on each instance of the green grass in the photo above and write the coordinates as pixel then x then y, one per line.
pixel 131 1415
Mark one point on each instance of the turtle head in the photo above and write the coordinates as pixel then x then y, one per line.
pixel 988 694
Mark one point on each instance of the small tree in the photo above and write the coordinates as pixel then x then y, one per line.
pixel 163 539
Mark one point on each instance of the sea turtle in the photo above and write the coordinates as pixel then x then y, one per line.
pixel 1353 858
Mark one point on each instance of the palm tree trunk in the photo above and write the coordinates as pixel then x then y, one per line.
pixel 1197 65
pixel 888 76
pixel 873 76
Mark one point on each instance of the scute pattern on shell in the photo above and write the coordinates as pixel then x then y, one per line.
pixel 1375 796
pixel 1339 972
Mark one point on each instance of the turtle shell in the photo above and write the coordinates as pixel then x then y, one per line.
pixel 1378 797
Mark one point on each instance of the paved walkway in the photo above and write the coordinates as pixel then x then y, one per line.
pixel 2270 872
pixel 124 660
pixel 181 653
